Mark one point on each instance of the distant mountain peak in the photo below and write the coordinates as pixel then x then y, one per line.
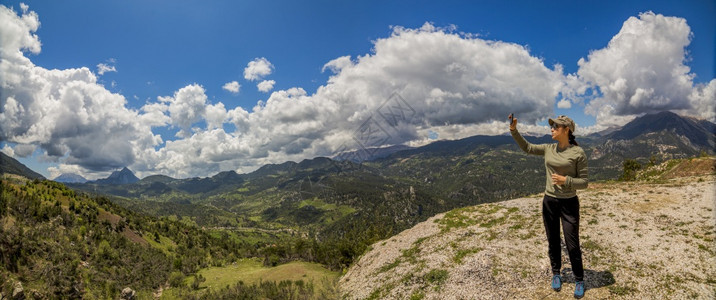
pixel 70 178
pixel 700 133
pixel 125 176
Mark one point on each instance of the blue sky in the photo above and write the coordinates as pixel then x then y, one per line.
pixel 156 49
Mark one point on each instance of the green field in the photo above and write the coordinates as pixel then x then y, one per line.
pixel 252 271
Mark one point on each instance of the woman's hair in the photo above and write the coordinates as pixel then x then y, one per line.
pixel 572 139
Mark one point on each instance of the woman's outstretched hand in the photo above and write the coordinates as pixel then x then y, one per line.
pixel 513 125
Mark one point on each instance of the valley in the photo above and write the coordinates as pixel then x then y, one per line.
pixel 317 217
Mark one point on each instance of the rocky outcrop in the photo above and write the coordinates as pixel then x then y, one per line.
pixel 18 293
pixel 640 240
pixel 127 294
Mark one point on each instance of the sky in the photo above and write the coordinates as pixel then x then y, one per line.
pixel 192 88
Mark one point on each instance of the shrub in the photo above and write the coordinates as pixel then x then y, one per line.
pixel 630 167
pixel 176 279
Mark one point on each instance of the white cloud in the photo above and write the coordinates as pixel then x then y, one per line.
pixel 446 81
pixel 240 118
pixel 215 116
pixel 8 150
pixel 64 112
pixel 258 69
pixel 564 104
pixel 186 107
pixel 104 68
pixel 451 84
pixel 67 169
pixel 455 85
pixel 446 78
pixel 17 33
pixel 703 101
pixel 415 83
pixel 232 87
pixel 24 150
pixel 338 64
pixel 266 85
pixel 642 70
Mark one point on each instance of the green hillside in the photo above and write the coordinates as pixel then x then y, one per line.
pixel 341 206
pixel 9 165
pixel 60 243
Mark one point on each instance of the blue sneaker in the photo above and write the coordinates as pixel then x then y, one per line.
pixel 556 282
pixel 579 289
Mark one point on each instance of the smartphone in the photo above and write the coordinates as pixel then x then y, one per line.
pixel 512 115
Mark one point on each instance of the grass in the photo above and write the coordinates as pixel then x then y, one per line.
pixel 252 271
pixel 389 266
pixel 621 290
pixel 165 244
pixel 466 217
pixel 417 296
pixel 337 211
pixel 456 219
pixel 493 222
pixel 411 254
pixel 381 292
pixel 436 276
pixel 464 252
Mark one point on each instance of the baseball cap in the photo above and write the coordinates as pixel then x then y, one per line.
pixel 564 121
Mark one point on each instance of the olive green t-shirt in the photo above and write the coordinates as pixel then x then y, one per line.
pixel 570 162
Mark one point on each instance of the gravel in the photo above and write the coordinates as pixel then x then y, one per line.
pixel 639 240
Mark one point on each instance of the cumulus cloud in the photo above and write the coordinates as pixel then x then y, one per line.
pixel 24 150
pixel 642 70
pixel 703 101
pixel 66 113
pixel 104 68
pixel 258 69
pixel 18 33
pixel 232 87
pixel 414 81
pixel 564 104
pixel 338 64
pixel 8 150
pixel 266 85
pixel 415 85
pixel 215 115
pixel 445 78
pixel 452 84
pixel 186 107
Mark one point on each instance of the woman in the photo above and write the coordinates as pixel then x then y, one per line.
pixel 566 166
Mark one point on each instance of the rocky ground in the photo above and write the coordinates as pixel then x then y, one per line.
pixel 640 240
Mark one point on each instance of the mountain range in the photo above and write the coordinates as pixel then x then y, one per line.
pixel 672 135
pixel 345 206
pixel 320 210
pixel 336 199
pixel 472 169
pixel 9 165
pixel 432 178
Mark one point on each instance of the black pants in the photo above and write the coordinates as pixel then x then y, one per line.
pixel 566 210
